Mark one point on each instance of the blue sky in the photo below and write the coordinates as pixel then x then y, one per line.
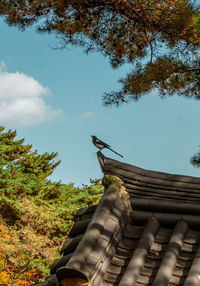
pixel 53 98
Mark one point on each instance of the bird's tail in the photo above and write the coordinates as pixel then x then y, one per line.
pixel 115 152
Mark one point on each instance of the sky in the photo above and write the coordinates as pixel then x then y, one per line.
pixel 53 98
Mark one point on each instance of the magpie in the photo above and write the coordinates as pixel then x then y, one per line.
pixel 101 145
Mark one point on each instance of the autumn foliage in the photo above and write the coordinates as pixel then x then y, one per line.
pixel 35 213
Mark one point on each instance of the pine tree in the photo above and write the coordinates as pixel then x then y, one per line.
pixel 15 155
pixel 35 213
pixel 22 171
pixel 160 38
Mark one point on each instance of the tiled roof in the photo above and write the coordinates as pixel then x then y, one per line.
pixel 157 242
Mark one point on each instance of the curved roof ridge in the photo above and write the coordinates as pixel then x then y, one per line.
pixel 110 166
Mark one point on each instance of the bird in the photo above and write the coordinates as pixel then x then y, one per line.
pixel 101 145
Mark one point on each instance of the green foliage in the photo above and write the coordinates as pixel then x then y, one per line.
pixel 144 33
pixel 160 39
pixel 35 214
pixel 195 160
pixel 15 156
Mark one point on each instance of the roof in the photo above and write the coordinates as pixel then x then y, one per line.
pixel 144 231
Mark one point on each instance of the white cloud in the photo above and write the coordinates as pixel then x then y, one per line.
pixel 2 66
pixel 21 100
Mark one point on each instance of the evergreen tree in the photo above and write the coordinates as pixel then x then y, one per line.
pixel 160 38
pixel 35 213
pixel 22 172
pixel 15 155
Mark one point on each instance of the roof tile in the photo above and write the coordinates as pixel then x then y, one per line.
pixel 156 244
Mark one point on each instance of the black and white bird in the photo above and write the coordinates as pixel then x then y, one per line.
pixel 101 145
